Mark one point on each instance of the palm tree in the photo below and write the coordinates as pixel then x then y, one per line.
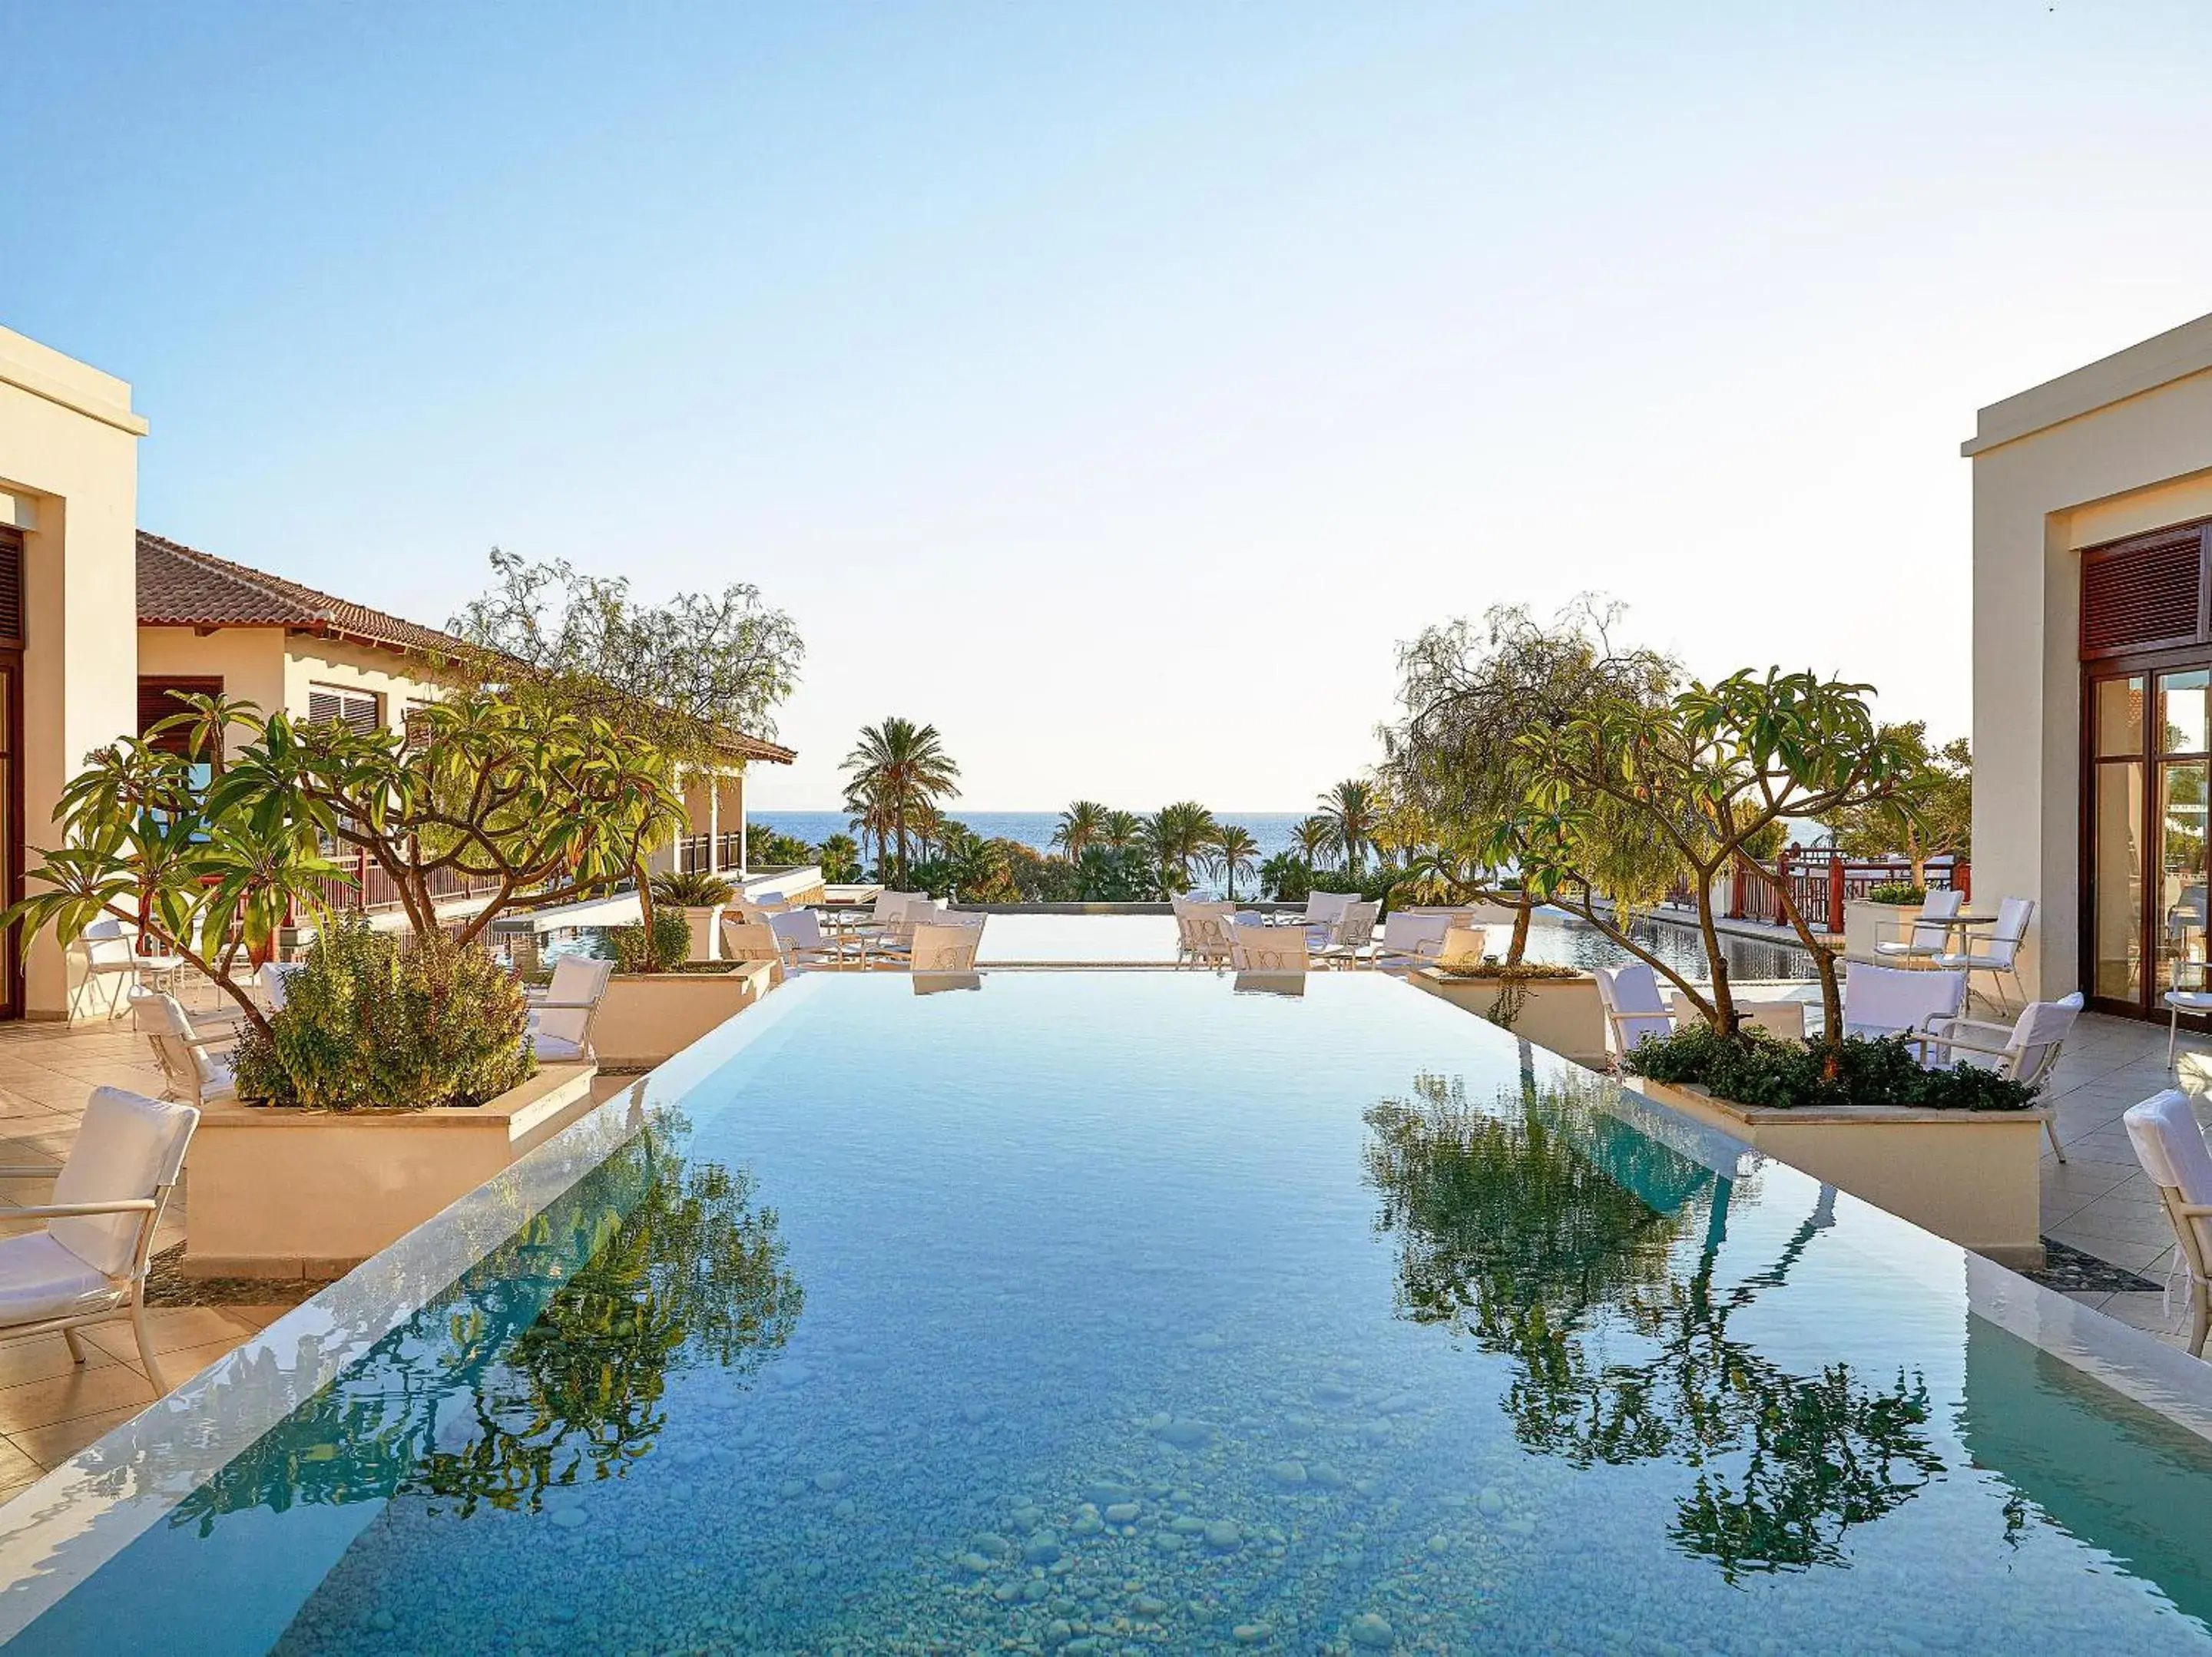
pixel 1081 826
pixel 1350 810
pixel 1312 838
pixel 1179 835
pixel 1234 851
pixel 1123 831
pixel 901 770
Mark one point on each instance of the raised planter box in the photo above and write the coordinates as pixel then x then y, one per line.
pixel 647 1018
pixel 1974 1176
pixel 293 1194
pixel 1562 1014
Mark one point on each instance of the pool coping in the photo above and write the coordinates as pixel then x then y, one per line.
pixel 64 1528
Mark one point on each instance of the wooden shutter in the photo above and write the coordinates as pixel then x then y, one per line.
pixel 357 709
pixel 158 696
pixel 11 589
pixel 2145 593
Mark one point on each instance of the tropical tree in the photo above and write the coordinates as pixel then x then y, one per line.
pixel 1699 778
pixel 1121 831
pixel 898 771
pixel 1468 694
pixel 1932 814
pixel 1179 835
pixel 1081 827
pixel 1233 852
pixel 840 858
pixel 1311 837
pixel 1352 810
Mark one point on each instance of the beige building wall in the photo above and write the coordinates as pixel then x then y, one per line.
pixel 2116 448
pixel 68 480
pixel 276 669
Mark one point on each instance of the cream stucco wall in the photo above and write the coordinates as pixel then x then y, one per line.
pixel 69 479
pixel 2114 449
pixel 276 669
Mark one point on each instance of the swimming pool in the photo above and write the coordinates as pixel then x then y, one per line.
pixel 1099 1312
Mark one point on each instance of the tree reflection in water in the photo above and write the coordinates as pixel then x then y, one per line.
pixel 1543 1226
pixel 550 1363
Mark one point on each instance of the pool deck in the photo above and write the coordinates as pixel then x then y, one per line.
pixel 2098 1201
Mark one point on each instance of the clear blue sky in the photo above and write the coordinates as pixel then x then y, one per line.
pixel 1114 384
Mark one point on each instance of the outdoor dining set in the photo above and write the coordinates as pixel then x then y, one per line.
pixel 1335 929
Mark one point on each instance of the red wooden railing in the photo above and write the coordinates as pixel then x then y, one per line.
pixel 1821 884
pixel 371 888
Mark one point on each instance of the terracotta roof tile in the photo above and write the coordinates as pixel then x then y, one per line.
pixel 182 586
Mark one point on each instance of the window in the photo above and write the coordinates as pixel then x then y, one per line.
pixel 362 709
pixel 161 696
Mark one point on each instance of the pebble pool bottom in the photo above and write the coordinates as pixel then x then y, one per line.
pixel 1125 1312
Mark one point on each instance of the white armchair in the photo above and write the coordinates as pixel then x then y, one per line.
pixel 1256 947
pixel 108 952
pixel 2171 1148
pixel 89 1264
pixel 1882 1001
pixel 1629 996
pixel 937 948
pixel 196 1058
pixel 560 1030
pixel 2023 1050
pixel 1925 942
pixel 798 935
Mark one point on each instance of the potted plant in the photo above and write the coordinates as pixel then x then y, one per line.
pixel 700 896
pixel 1884 915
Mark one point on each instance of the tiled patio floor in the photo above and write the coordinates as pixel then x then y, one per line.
pixel 2097 1201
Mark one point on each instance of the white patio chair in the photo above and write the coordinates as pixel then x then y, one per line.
pixel 1629 995
pixel 2023 1050
pixel 799 935
pixel 1463 946
pixel 109 950
pixel 196 1059
pixel 1206 927
pixel 1348 942
pixel 2171 1148
pixel 1411 940
pixel 1925 942
pixel 1782 1019
pixel 1322 909
pixel 1256 947
pixel 89 1266
pixel 749 940
pixel 2000 958
pixel 560 1030
pixel 274 980
pixel 1879 1001
pixel 2194 1003
pixel 938 948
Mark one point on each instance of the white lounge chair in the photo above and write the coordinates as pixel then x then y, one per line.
pixel 799 937
pixel 2023 1050
pixel 560 1029
pixel 1323 908
pixel 1256 947
pixel 89 1266
pixel 196 1058
pixel 942 948
pixel 109 951
pixel 2171 1148
pixel 1879 1001
pixel 1925 942
pixel 1411 940
pixel 2000 958
pixel 1629 995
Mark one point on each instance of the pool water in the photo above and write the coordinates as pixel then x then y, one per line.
pixel 1108 1312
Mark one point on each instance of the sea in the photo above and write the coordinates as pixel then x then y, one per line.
pixel 1272 829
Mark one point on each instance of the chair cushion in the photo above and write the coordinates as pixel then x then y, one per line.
pixel 126 1146
pixel 2170 1145
pixel 41 1279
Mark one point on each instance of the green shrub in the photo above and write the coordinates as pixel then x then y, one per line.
pixel 382 1021
pixel 1286 877
pixel 1897 891
pixel 632 951
pixel 1754 1068
pixel 1111 877
pixel 692 890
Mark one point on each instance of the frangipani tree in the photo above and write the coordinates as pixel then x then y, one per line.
pixel 141 843
pixel 1703 777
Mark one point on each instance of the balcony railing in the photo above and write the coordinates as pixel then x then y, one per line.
pixel 729 849
pixel 371 888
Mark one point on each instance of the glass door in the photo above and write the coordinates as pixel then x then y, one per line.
pixel 2118 809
